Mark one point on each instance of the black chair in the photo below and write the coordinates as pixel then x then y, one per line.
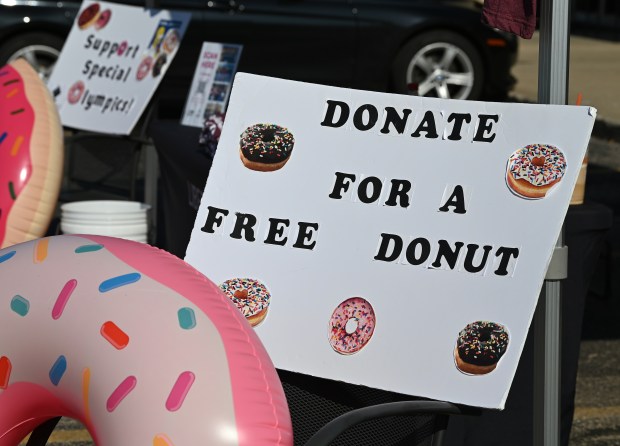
pixel 326 412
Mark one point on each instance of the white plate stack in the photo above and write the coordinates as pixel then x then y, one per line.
pixel 114 218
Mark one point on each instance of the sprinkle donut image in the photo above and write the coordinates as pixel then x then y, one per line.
pixel 75 92
pixel 351 325
pixel 171 41
pixel 159 64
pixel 103 19
pixel 144 68
pixel 534 169
pixel 266 147
pixel 479 347
pixel 31 154
pixel 250 296
pixel 88 16
pixel 163 357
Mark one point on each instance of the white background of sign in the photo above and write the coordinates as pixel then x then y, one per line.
pixel 420 311
pixel 126 98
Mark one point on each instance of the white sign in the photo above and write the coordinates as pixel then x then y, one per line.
pixel 113 60
pixel 212 81
pixel 394 234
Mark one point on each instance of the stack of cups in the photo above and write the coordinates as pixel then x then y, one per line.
pixel 122 219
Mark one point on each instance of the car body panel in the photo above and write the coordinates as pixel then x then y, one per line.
pixel 349 43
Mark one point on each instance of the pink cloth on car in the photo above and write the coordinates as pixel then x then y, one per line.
pixel 514 16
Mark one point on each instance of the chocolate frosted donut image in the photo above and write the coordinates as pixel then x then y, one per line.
pixel 534 169
pixel 265 147
pixel 479 347
pixel 88 16
pixel 250 296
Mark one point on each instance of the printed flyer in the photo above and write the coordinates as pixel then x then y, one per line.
pixel 397 242
pixel 212 81
pixel 111 64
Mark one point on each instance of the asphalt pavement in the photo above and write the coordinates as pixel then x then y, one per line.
pixel 594 74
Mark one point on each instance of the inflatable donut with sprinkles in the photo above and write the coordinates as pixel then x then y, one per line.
pixel 31 154
pixel 132 342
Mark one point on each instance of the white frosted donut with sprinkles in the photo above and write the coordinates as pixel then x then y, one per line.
pixel 250 296
pixel 535 169
pixel 351 325
pixel 134 343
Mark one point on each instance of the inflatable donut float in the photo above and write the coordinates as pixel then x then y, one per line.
pixel 31 154
pixel 134 343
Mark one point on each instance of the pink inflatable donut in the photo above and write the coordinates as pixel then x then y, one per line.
pixel 351 325
pixel 132 342
pixel 31 154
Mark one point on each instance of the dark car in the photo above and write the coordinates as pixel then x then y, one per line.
pixel 426 47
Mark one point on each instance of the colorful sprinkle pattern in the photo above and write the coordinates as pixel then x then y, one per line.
pixel 266 143
pixel 354 310
pixel 482 343
pixel 109 331
pixel 249 295
pixel 538 164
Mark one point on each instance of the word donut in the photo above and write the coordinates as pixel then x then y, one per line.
pixel 533 170
pixel 134 343
pixel 351 325
pixel 250 297
pixel 31 154
pixel 479 347
pixel 266 147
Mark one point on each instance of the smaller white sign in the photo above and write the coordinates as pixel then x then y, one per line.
pixel 212 82
pixel 111 64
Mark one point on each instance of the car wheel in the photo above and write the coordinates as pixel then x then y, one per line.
pixel 41 50
pixel 439 64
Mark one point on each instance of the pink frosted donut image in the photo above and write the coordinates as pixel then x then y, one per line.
pixel 135 344
pixel 103 19
pixel 351 325
pixel 75 92
pixel 144 68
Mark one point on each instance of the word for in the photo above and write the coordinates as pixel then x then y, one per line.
pixel 427 124
pixel 107 103
pixel 112 72
pixel 445 256
pixel 109 48
pixel 244 228
pixel 369 190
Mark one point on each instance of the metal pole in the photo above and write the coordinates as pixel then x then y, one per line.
pixel 552 89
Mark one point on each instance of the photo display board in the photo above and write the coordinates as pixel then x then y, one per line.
pixel 391 241
pixel 212 81
pixel 111 64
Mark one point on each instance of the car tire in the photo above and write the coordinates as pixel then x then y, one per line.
pixel 440 64
pixel 40 49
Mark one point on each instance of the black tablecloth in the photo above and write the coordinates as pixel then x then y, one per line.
pixel 184 169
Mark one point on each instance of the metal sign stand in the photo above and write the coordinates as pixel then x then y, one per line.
pixel 552 89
